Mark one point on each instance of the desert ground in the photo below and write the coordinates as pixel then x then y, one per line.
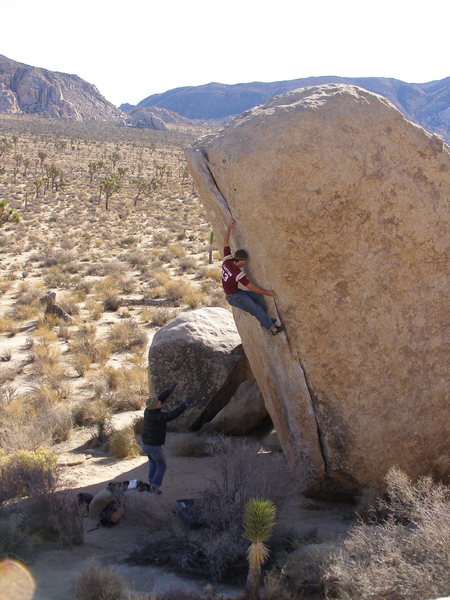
pixel 110 216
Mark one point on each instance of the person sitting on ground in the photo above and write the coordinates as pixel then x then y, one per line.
pixel 251 300
pixel 154 435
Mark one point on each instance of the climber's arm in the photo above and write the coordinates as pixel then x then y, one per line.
pixel 254 288
pixel 231 224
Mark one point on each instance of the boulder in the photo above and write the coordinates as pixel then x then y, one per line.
pixel 245 411
pixel 341 203
pixel 202 352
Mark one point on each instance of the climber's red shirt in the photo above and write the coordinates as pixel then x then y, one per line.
pixel 231 274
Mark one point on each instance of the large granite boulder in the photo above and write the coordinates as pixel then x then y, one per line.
pixel 341 203
pixel 202 352
pixel 243 413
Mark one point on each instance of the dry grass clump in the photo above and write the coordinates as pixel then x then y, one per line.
pixel 31 421
pixel 402 552
pixel 126 335
pixel 122 388
pixel 8 326
pixel 5 285
pixel 194 298
pixel 92 412
pixel 100 583
pixel 159 316
pixel 122 443
pixel 85 343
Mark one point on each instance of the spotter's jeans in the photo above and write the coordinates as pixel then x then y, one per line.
pixel 157 464
pixel 252 303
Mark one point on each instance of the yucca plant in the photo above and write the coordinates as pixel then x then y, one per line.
pixel 259 519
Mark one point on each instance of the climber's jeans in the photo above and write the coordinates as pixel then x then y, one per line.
pixel 252 303
pixel 157 463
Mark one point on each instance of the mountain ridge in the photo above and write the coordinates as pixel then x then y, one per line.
pixel 427 104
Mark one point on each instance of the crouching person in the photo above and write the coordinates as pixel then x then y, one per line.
pixel 154 435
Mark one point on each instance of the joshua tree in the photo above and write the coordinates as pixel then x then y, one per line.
pixel 38 183
pixel 8 214
pixel 259 519
pixel 54 173
pixel 145 188
pixel 121 172
pixel 42 156
pixel 109 185
pixel 211 243
pixel 93 167
pixel 115 157
pixel 26 164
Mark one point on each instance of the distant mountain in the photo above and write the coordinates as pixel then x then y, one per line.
pixel 427 104
pixel 26 89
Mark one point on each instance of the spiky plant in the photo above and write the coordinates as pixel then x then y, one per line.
pixel 259 519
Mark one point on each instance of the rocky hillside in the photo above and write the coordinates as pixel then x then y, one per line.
pixel 26 89
pixel 427 104
pixel 154 117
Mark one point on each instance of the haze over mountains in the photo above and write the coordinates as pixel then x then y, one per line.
pixel 32 90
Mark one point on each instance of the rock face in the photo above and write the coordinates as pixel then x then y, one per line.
pixel 26 89
pixel 245 411
pixel 341 204
pixel 200 350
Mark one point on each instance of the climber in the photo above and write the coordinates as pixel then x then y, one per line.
pixel 251 300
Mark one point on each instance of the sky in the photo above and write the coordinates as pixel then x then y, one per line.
pixel 132 49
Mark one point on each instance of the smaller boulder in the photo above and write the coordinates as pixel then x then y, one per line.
pixel 201 352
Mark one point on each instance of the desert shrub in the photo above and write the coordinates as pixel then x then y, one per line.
pixel 402 553
pixel 27 472
pixel 60 423
pixel 126 335
pixel 122 443
pixel 99 583
pixel 188 264
pixel 136 259
pixel 90 412
pixel 13 542
pixel 54 517
pixel 111 303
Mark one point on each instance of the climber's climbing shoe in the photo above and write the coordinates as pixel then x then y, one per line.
pixel 278 329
